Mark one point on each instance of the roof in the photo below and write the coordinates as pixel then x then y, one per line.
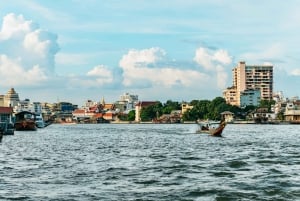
pixel 108 106
pixel 20 114
pixel 93 109
pixel 105 115
pixel 78 111
pixel 6 110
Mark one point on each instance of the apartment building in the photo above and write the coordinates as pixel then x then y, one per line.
pixel 249 77
pixel 230 95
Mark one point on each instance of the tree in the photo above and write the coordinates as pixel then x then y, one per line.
pixel 151 112
pixel 267 104
pixel 280 116
pixel 169 106
pixel 131 115
pixel 202 108
pixel 127 117
pixel 216 107
pixel 146 114
pixel 190 115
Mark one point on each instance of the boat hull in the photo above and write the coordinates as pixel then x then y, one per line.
pixel 25 126
pixel 216 132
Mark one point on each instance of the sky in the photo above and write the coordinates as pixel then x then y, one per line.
pixel 179 50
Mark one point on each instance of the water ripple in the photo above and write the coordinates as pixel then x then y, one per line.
pixel 150 162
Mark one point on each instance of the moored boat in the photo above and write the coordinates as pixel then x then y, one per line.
pixel 1 135
pixel 211 128
pixel 39 121
pixel 7 128
pixel 25 120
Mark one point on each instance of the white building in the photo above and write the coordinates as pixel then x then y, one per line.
pixel 127 102
pixel 26 105
pixel 292 111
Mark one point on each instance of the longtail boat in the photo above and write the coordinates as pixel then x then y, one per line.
pixel 211 128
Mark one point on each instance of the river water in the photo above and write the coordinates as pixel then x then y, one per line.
pixel 151 162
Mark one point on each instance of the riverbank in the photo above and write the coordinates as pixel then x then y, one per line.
pixel 185 122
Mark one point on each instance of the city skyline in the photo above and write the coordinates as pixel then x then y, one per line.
pixel 185 50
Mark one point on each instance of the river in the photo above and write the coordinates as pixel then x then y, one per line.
pixel 151 162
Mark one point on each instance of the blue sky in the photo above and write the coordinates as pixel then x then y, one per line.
pixel 181 50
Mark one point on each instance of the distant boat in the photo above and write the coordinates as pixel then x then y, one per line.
pixel 39 121
pixel 25 120
pixel 211 128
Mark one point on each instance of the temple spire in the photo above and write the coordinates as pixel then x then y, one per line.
pixel 102 101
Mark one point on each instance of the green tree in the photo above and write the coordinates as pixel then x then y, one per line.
pixel 146 114
pixel 190 115
pixel 202 108
pixel 169 106
pixel 151 112
pixel 267 104
pixel 131 115
pixel 216 107
pixel 280 116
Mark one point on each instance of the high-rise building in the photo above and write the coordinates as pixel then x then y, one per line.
pixel 250 77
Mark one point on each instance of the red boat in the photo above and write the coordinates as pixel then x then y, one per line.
pixel 25 121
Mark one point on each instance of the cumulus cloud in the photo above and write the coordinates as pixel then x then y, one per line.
pixel 268 63
pixel 222 77
pixel 14 26
pixel 13 74
pixel 138 71
pixel 214 61
pixel 295 72
pixel 102 75
pixel 209 59
pixel 267 53
pixel 141 58
pixel 26 51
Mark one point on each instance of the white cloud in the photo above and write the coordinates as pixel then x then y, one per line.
pixel 222 56
pixel 100 71
pixel 268 63
pixel 136 58
pixel 102 74
pixel 214 61
pixel 136 71
pixel 99 76
pixel 209 59
pixel 26 51
pixel 12 74
pixel 40 43
pixel 203 58
pixel 295 72
pixel 222 77
pixel 15 26
pixel 266 53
